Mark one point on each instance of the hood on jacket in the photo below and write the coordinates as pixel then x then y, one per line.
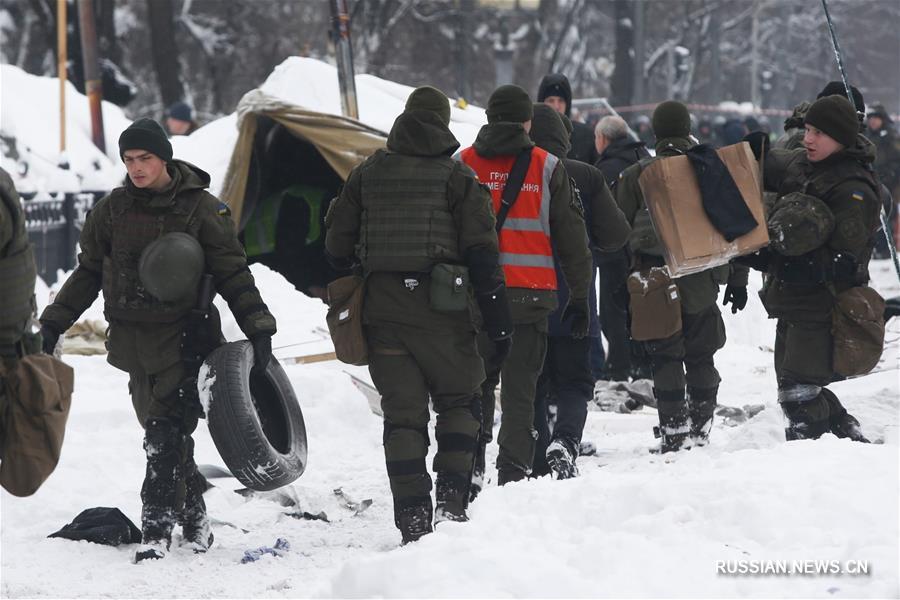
pixel 625 147
pixel 501 139
pixel 864 152
pixel 548 131
pixel 556 84
pixel 421 133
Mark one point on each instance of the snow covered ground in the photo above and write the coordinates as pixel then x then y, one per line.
pixel 632 525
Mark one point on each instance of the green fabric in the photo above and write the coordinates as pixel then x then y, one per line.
pixel 135 320
pixel 509 103
pixel 671 119
pixel 686 358
pixel 431 99
pixel 803 352
pixel 387 297
pixel 408 368
pixel 17 268
pixel 260 233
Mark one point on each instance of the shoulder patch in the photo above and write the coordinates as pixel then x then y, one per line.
pixel 222 210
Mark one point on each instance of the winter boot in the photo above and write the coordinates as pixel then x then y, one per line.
pixel 806 420
pixel 452 497
pixel 509 475
pixel 413 516
pixel 195 530
pixel 674 419
pixel 162 443
pixel 561 458
pixel 842 423
pixel 478 471
pixel 702 408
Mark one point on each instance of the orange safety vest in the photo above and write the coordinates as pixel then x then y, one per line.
pixel 526 253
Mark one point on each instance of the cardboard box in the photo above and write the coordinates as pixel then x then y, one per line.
pixel 676 209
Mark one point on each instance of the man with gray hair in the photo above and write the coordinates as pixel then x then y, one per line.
pixel 618 151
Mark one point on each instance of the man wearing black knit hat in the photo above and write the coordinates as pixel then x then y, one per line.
pixel 794 131
pixel 822 227
pixel 556 92
pixel 685 378
pixel 163 217
pixel 543 216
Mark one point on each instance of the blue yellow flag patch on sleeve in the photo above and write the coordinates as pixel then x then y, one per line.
pixel 223 210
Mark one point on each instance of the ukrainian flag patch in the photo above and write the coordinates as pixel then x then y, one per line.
pixel 224 211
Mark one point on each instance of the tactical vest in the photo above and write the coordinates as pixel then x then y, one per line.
pixel 643 238
pixel 17 275
pixel 526 252
pixel 406 223
pixel 260 233
pixel 132 227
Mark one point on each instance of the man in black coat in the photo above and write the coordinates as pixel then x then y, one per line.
pixel 618 151
pixel 556 92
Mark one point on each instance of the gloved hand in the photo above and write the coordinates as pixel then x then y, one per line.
pixel 262 352
pixel 495 315
pixel 759 143
pixel 578 310
pixel 737 295
pixel 50 337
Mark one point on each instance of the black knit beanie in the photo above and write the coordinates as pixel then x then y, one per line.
pixel 509 103
pixel 835 116
pixel 146 134
pixel 430 98
pixel 671 119
pixel 836 88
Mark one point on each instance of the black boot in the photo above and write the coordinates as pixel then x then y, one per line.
pixel 195 529
pixel 674 419
pixel 842 423
pixel 412 516
pixel 806 420
pixel 478 471
pixel 163 443
pixel 702 408
pixel 452 497
pixel 561 455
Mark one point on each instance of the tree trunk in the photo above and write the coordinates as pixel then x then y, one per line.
pixel 622 85
pixel 106 30
pixel 161 17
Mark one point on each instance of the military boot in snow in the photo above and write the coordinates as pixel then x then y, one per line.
pixel 561 458
pixel 452 497
pixel 702 409
pixel 413 516
pixel 842 423
pixel 162 443
pixel 195 530
pixel 806 420
pixel 674 419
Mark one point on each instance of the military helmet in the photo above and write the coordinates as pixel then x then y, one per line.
pixel 170 267
pixel 799 223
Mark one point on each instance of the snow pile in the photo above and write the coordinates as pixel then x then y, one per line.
pixel 633 524
pixel 29 118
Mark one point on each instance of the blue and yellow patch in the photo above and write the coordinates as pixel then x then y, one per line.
pixel 222 210
pixel 858 196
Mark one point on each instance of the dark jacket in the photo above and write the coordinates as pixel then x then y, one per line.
pixel 151 345
pixel 606 225
pixel 581 141
pixel 618 156
pixel 844 182
pixel 17 268
pixel 567 229
pixel 418 133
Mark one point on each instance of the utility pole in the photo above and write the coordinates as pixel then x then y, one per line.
pixel 755 98
pixel 93 85
pixel 343 50
pixel 638 95
pixel 61 63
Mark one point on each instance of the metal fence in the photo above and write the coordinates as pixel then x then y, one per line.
pixel 54 222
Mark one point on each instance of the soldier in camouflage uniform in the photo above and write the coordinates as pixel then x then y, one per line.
pixel 685 379
pixel 835 169
pixel 403 212
pixel 17 274
pixel 160 196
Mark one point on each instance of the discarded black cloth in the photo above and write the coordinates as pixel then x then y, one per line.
pixel 722 199
pixel 101 525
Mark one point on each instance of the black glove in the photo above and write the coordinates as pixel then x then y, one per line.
pixel 50 337
pixel 737 295
pixel 497 320
pixel 262 352
pixel 759 143
pixel 579 311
